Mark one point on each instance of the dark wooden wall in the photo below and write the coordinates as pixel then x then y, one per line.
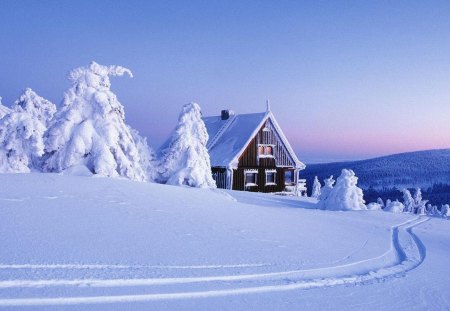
pixel 220 176
pixel 239 180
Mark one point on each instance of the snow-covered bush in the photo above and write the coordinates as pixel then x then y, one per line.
pixel 408 201
pixel 186 161
pixel 345 195
pixel 316 188
pixel 90 128
pixel 22 133
pixel 445 210
pixel 3 109
pixel 374 206
pixel 394 206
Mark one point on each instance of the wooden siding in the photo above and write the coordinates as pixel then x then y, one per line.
pixel 269 136
pixel 220 176
pixel 239 181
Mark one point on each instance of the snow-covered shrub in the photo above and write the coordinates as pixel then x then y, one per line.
pixel 3 109
pixel 186 161
pixel 345 195
pixel 90 128
pixel 445 210
pixel 22 133
pixel 316 188
pixel 408 201
pixel 394 206
pixel 374 206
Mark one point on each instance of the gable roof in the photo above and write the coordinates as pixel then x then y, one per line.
pixel 228 139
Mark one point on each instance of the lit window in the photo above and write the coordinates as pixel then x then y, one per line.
pixel 260 150
pixel 265 150
pixel 271 177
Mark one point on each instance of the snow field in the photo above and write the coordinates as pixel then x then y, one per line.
pixel 90 241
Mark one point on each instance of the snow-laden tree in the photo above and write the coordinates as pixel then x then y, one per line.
pixel 186 160
pixel 419 203
pixel 38 107
pixel 345 195
pixel 432 210
pixel 380 202
pixel 408 201
pixel 22 133
pixel 147 157
pixel 394 206
pixel 422 208
pixel 3 109
pixel 90 128
pixel 326 189
pixel 316 188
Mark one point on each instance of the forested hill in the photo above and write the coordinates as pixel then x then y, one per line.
pixel 422 169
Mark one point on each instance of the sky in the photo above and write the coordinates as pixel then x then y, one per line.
pixel 346 79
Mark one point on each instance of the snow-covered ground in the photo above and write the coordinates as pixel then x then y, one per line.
pixel 73 242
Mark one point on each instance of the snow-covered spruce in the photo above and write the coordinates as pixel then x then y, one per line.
pixel 408 201
pixel 316 188
pixel 186 161
pixel 90 128
pixel 3 109
pixel 22 133
pixel 345 195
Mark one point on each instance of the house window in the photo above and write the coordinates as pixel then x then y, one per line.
pixel 289 177
pixel 250 178
pixel 265 151
pixel 260 150
pixel 271 177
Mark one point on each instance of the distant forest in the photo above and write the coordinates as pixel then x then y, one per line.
pixel 438 194
pixel 385 177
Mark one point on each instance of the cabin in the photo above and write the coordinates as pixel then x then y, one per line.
pixel 249 152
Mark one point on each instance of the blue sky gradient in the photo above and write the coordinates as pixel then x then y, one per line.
pixel 346 79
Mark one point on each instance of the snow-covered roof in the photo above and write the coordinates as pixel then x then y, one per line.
pixel 229 138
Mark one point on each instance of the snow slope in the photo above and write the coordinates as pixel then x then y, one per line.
pixel 71 242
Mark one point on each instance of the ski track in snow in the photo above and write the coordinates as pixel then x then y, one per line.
pixel 406 253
